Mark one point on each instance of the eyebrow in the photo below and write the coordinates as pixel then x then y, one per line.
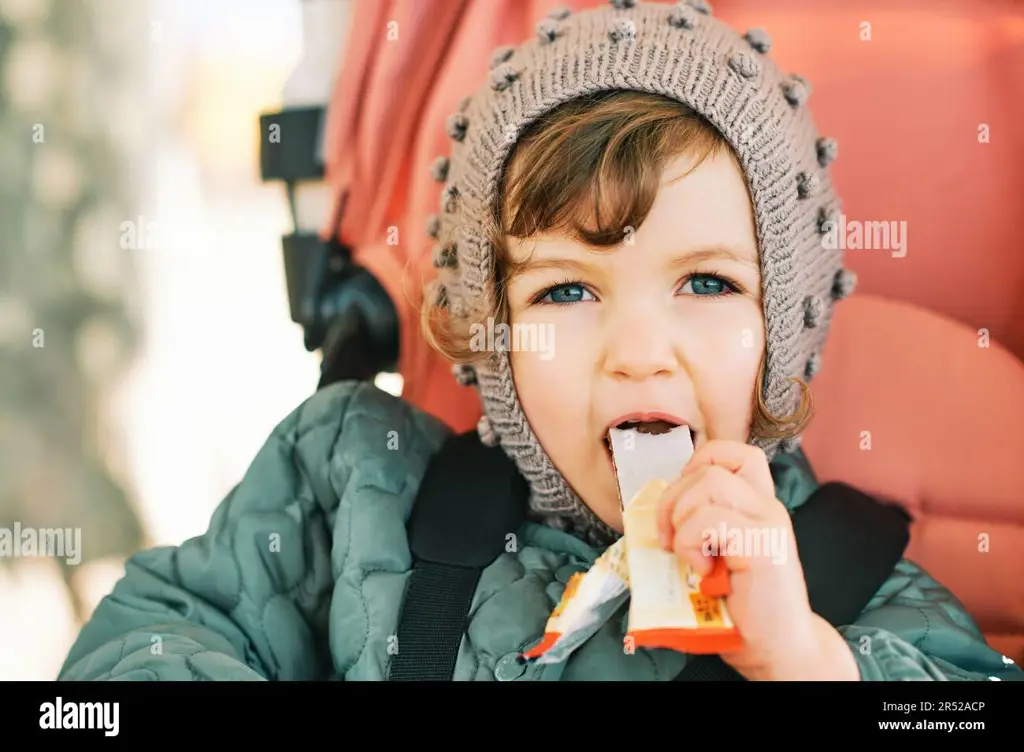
pixel 713 252
pixel 690 258
pixel 532 265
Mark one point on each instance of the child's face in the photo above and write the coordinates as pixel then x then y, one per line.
pixel 669 321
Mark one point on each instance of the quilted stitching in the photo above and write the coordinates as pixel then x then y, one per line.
pixel 302 571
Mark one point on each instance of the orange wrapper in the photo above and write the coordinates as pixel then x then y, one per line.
pixel 590 599
pixel 671 606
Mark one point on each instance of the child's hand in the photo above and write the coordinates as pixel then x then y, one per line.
pixel 725 498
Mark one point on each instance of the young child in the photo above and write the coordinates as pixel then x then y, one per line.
pixel 643 190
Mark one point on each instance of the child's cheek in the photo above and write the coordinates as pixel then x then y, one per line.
pixel 554 371
pixel 721 335
pixel 562 338
pixel 554 391
pixel 723 345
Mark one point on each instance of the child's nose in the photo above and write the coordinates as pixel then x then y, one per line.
pixel 641 350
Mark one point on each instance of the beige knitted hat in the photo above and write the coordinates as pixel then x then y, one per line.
pixel 682 52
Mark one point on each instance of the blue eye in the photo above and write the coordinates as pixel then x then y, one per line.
pixel 703 285
pixel 709 285
pixel 564 294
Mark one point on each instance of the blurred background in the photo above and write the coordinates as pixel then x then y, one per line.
pixel 147 341
pixel 148 396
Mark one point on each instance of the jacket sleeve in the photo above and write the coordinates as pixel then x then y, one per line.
pixel 914 629
pixel 249 599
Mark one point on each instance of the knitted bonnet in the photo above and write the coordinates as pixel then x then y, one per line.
pixel 680 51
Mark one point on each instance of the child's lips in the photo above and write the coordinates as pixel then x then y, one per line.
pixel 655 418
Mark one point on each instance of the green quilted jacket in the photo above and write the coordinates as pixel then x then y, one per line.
pixel 301 573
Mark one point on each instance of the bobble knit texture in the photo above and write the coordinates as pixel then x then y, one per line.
pixel 683 52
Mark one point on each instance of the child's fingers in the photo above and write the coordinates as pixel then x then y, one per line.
pixel 698 539
pixel 667 504
pixel 745 460
pixel 716 486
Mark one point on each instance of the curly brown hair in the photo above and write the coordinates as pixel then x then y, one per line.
pixel 589 168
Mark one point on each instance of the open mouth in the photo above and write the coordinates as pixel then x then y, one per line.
pixel 647 427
